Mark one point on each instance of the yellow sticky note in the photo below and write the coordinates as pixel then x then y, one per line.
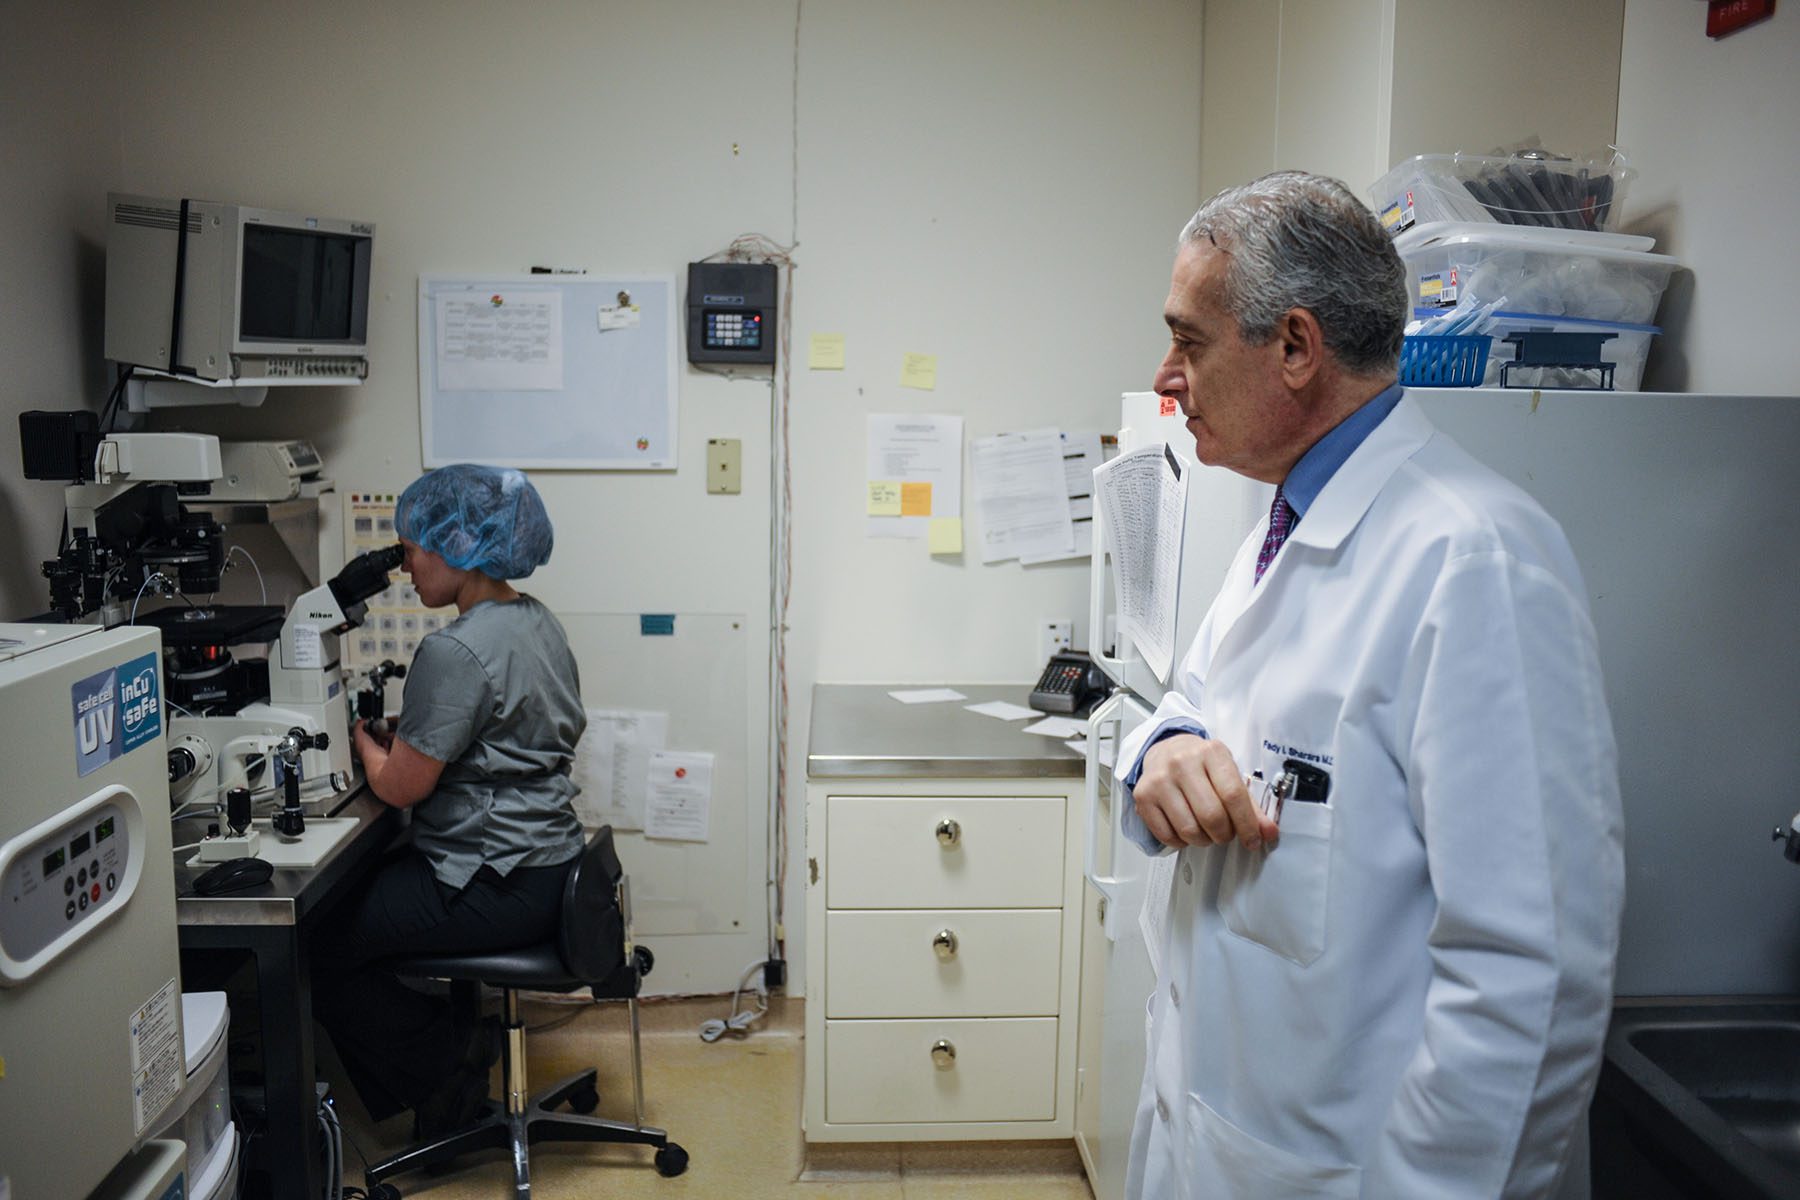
pixel 826 352
pixel 919 371
pixel 945 535
pixel 915 499
pixel 884 498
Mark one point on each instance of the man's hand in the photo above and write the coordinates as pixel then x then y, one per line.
pixel 1191 793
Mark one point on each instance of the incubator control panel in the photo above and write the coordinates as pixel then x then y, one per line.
pixel 58 883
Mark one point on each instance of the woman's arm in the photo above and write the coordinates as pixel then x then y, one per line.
pixel 398 775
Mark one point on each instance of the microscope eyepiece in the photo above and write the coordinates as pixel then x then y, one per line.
pixel 365 575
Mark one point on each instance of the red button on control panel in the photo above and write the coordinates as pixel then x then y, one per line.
pixel 94 892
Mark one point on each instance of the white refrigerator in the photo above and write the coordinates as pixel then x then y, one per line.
pixel 1117 977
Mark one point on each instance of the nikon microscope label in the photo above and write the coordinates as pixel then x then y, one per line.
pixel 115 712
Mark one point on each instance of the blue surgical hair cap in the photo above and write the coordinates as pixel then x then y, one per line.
pixel 476 518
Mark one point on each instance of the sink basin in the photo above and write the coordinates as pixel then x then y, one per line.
pixel 1716 1088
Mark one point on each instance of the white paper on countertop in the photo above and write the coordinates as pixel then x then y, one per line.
pixel 1059 727
pixel 926 695
pixel 1003 710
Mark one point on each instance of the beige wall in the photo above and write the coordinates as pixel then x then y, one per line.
pixel 1475 76
pixel 1714 131
pixel 1348 88
pixel 58 153
pixel 998 184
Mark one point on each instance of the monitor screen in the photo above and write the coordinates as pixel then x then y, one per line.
pixel 298 286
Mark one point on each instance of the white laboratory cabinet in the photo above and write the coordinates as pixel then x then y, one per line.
pixel 943 945
pixel 91 1046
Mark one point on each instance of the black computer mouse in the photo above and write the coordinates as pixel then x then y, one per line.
pixel 232 875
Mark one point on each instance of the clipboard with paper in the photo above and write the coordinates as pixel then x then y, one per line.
pixel 1143 499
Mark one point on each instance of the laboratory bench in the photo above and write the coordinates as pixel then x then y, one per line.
pixel 944 881
pixel 271 923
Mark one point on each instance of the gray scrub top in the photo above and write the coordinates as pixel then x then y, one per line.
pixel 495 696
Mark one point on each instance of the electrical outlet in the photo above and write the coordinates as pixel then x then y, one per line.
pixel 1054 636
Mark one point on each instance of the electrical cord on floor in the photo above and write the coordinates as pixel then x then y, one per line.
pixel 331 1141
pixel 352 1193
pixel 738 1023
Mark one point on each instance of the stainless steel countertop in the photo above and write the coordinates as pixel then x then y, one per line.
pixel 860 732
pixel 292 892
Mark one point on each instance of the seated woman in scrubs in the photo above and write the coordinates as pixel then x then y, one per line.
pixel 481 756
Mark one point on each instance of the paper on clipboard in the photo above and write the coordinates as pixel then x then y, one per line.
pixel 1143 499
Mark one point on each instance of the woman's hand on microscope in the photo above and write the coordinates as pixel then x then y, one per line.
pixel 378 735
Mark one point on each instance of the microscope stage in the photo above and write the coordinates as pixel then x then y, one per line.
pixel 216 624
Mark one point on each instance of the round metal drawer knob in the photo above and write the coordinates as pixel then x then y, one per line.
pixel 943 1053
pixel 949 833
pixel 945 944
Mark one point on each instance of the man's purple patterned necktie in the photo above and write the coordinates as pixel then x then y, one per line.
pixel 1281 521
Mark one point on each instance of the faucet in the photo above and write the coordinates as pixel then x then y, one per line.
pixel 1791 835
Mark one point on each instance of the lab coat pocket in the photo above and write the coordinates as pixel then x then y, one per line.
pixel 1278 898
pixel 1226 1161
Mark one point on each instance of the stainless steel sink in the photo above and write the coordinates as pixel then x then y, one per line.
pixel 1716 1087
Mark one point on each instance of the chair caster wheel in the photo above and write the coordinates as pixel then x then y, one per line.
pixel 671 1161
pixel 384 1191
pixel 584 1101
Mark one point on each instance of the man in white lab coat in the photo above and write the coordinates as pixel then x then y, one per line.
pixel 1386 768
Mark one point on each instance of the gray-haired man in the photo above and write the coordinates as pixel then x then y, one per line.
pixel 1385 764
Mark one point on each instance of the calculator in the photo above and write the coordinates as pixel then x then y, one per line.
pixel 1070 684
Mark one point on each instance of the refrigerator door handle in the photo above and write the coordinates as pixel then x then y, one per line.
pixel 1107 885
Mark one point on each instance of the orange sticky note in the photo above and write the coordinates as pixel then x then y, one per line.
pixel 915 499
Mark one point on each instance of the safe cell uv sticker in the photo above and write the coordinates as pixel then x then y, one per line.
pixel 114 712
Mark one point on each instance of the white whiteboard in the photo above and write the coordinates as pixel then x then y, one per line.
pixel 552 388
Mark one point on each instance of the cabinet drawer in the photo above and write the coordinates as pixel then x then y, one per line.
pixel 991 964
pixel 997 852
pixel 883 1072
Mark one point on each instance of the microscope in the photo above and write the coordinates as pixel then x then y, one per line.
pixel 127 528
pixel 241 679
pixel 305 692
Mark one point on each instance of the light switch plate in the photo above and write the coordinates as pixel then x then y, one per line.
pixel 724 466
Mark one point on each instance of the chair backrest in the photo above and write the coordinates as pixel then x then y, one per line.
pixel 591 938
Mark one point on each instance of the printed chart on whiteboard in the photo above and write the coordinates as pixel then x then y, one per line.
pixel 548 371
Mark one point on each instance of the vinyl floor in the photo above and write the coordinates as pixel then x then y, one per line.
pixel 733 1105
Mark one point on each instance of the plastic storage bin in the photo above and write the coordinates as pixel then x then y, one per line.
pixel 1454 360
pixel 1552 193
pixel 202 1115
pixel 1627 349
pixel 1559 272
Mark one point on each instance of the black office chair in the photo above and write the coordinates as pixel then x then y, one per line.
pixel 593 948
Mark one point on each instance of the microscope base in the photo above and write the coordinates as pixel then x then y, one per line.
pixel 225 847
pixel 320 838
